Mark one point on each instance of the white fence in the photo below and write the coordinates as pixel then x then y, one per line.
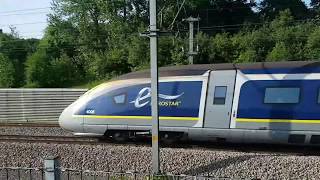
pixel 35 105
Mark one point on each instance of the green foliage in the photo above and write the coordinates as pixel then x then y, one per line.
pixel 7 72
pixel 17 50
pixel 313 45
pixel 221 49
pixel 37 69
pixel 203 55
pixel 43 70
pixel 283 20
pixel 164 56
pixel 178 54
pixel 279 52
pixel 63 72
pixel 95 40
pixel 106 65
pixel 247 56
pixel 138 52
pixel 221 12
pixel 271 8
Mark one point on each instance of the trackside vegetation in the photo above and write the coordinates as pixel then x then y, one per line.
pixel 90 41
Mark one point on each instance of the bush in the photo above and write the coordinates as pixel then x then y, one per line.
pixel 44 72
pixel 63 72
pixel 313 45
pixel 38 69
pixel 7 72
pixel 279 52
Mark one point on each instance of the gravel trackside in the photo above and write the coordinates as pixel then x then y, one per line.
pixel 112 157
pixel 34 131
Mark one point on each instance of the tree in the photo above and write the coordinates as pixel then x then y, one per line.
pixel 97 39
pixel 203 56
pixel 222 12
pixel 17 50
pixel 315 4
pixel 221 49
pixel 255 44
pixel 178 52
pixel 313 45
pixel 63 72
pixel 279 53
pixel 248 55
pixel 269 9
pixel 7 72
pixel 38 69
pixel 138 52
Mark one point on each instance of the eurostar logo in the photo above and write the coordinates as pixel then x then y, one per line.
pixel 145 94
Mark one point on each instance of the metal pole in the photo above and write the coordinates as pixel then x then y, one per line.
pixel 191 42
pixel 191 53
pixel 51 165
pixel 154 86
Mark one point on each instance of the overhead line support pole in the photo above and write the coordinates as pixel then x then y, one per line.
pixel 154 86
pixel 191 53
pixel 191 41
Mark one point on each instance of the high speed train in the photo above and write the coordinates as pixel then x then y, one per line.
pixel 242 103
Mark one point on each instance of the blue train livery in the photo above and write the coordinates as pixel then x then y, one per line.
pixel 285 99
pixel 176 99
pixel 243 103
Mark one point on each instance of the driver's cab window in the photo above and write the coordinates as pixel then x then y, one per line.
pixel 120 99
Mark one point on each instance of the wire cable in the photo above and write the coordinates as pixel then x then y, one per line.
pixel 20 24
pixel 20 10
pixel 23 14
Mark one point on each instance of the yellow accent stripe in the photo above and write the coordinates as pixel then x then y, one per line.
pixel 155 138
pixel 278 121
pixel 139 117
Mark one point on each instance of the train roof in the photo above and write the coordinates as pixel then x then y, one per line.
pixel 200 69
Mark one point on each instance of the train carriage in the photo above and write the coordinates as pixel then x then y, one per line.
pixel 249 103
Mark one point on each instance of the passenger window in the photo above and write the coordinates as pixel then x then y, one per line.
pixel 282 95
pixel 120 99
pixel 220 93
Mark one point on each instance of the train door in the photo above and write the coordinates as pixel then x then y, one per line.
pixel 219 99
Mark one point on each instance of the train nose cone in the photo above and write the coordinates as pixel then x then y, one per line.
pixel 65 119
pixel 68 122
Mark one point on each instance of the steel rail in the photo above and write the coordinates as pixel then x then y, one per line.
pixel 48 139
pixel 277 150
pixel 29 124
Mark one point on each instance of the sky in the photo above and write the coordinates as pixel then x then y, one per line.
pixel 28 16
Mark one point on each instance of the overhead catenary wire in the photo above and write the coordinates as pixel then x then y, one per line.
pixel 74 46
pixel 83 44
pixel 27 23
pixel 24 14
pixel 205 28
pixel 184 30
pixel 177 14
pixel 48 7
pixel 22 10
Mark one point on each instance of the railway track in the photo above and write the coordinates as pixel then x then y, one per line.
pixel 35 124
pixel 246 148
pixel 49 139
pixel 68 140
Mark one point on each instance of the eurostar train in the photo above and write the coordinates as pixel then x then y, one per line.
pixel 242 103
